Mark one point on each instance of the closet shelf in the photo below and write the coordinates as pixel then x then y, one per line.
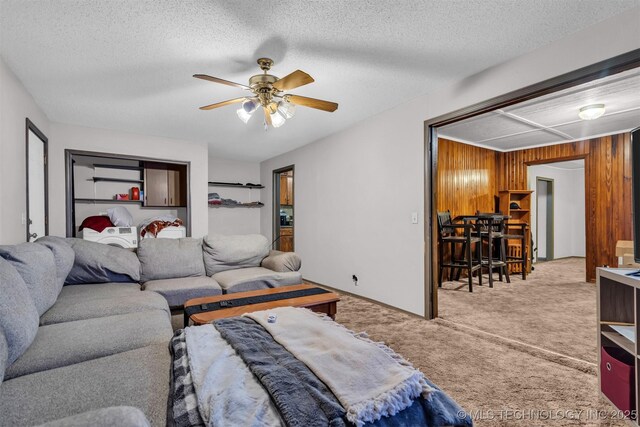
pixel 84 200
pixel 121 167
pixel 105 179
pixel 240 205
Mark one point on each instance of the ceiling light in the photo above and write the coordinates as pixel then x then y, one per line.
pixel 277 119
pixel 591 112
pixel 287 109
pixel 243 115
pixel 247 109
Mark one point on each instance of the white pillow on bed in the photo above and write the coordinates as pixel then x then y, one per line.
pixel 120 216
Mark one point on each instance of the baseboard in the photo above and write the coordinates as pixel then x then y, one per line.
pixel 340 291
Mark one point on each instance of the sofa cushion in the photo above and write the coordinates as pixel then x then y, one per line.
pixel 37 266
pixel 82 306
pixel 64 344
pixel 63 256
pixel 138 378
pixel 18 314
pixel 4 354
pixel 254 278
pixel 170 258
pixel 121 416
pixel 99 290
pixel 282 261
pixel 178 291
pixel 223 253
pixel 100 263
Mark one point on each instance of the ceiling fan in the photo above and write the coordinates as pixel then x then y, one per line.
pixel 267 92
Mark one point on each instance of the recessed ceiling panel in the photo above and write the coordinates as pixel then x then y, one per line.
pixel 528 139
pixel 484 127
pixel 619 93
pixel 612 124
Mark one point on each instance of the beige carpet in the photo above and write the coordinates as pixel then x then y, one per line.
pixel 554 309
pixel 483 374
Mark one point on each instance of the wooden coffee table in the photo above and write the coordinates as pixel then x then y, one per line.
pixel 321 303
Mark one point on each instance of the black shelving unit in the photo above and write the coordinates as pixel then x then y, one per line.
pixel 233 185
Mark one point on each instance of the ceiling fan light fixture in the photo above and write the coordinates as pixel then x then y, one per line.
pixel 287 109
pixel 591 112
pixel 250 105
pixel 243 115
pixel 277 119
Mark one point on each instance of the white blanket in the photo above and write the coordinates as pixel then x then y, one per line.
pixel 369 379
pixel 228 393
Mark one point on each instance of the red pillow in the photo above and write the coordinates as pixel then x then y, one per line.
pixel 97 223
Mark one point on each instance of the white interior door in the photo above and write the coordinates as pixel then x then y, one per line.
pixel 36 187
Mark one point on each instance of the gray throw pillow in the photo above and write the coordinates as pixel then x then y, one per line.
pixel 37 266
pixel 170 258
pixel 231 252
pixel 18 315
pixel 100 263
pixel 62 254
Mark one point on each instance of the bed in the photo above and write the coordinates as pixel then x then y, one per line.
pixel 292 367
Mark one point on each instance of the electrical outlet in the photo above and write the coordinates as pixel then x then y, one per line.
pixel 355 279
pixel 414 217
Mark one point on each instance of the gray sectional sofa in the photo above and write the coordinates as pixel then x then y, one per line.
pixel 81 344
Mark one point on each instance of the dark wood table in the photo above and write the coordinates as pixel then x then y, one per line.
pixel 321 303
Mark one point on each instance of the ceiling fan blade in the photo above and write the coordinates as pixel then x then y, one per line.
pixel 222 104
pixel 312 103
pixel 267 116
pixel 223 81
pixel 296 79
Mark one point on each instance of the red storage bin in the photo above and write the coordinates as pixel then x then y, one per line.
pixel 617 370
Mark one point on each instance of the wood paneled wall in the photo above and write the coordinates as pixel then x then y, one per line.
pixel 466 178
pixel 607 192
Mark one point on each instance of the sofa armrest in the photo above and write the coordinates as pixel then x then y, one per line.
pixel 282 262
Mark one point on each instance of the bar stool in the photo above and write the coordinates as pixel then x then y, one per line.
pixel 447 235
pixel 491 228
pixel 517 231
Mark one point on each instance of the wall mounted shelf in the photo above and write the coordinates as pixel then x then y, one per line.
pixel 234 185
pixel 240 205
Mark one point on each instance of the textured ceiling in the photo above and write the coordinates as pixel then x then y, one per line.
pixel 127 65
pixel 553 118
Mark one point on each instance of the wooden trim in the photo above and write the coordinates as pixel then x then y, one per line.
pixel 555 159
pixel 30 126
pixel 582 75
pixel 340 291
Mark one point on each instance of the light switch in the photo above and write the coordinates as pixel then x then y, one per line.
pixel 414 217
pixel 23 218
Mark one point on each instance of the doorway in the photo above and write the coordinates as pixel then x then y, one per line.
pixel 544 219
pixel 283 213
pixel 37 213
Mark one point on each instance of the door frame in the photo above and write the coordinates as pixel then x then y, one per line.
pixel 275 225
pixel 30 126
pixel 601 69
pixel 550 240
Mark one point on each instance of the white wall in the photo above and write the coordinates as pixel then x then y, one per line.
pixel 63 137
pixel 16 104
pixel 355 190
pixel 237 220
pixel 569 210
